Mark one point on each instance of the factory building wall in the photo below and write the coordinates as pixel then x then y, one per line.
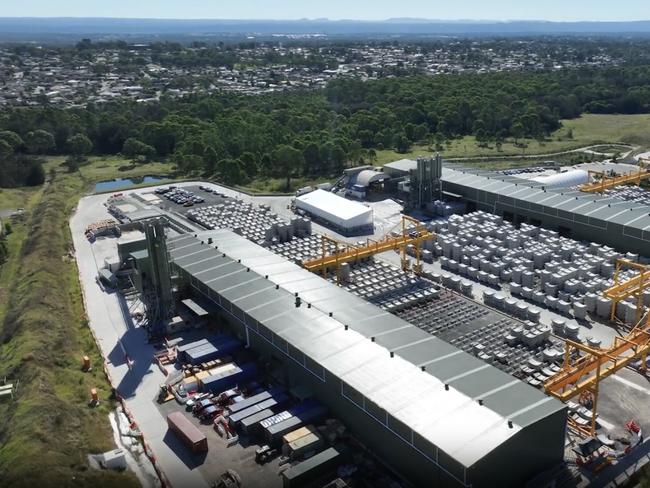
pixel 416 459
pixel 539 454
pixel 431 469
pixel 386 445
pixel 569 224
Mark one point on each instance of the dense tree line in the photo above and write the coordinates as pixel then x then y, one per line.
pixel 18 168
pixel 316 133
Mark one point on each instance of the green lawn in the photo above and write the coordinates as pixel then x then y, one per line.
pixel 46 433
pixel 587 130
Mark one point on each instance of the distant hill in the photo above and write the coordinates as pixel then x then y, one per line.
pixel 43 28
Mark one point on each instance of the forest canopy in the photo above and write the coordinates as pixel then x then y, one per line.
pixel 316 133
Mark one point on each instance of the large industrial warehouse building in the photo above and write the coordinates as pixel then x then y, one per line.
pixel 621 224
pixel 437 414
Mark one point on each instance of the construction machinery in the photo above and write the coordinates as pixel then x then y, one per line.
pixel 632 287
pixel 600 181
pixel 585 367
pixel 412 232
pixel 228 479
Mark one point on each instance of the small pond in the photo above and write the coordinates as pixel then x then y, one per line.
pixel 126 183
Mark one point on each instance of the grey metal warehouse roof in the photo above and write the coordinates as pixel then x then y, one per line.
pixel 452 420
pixel 404 165
pixel 587 208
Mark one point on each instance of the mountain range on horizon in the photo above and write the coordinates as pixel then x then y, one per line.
pixel 35 28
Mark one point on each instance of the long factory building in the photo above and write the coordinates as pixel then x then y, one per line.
pixel 623 225
pixel 438 415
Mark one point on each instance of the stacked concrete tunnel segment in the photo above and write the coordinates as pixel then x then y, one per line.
pixel 623 225
pixel 440 416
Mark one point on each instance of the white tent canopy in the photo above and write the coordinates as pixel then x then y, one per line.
pixel 337 210
pixel 564 180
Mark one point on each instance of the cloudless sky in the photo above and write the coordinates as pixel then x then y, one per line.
pixel 558 10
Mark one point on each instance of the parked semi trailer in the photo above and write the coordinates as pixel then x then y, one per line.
pixel 187 432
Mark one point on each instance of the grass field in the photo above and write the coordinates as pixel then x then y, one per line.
pixel 109 167
pixel 46 433
pixel 587 130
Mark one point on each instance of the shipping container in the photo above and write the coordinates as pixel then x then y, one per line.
pixel 252 400
pixel 210 352
pixel 187 432
pixel 271 403
pixel 218 372
pixel 297 434
pixel 250 425
pixel 312 468
pixel 311 442
pixel 228 378
pixel 276 419
pixel 183 348
pixel 273 433
pixel 295 410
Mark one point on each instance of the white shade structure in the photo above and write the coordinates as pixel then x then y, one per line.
pixel 343 213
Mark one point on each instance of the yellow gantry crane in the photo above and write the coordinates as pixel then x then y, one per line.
pixel 632 287
pixel 585 367
pixel 412 232
pixel 602 181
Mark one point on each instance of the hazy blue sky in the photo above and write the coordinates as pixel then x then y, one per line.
pixel 333 9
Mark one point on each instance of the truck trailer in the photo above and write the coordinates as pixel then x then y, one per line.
pixel 191 436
